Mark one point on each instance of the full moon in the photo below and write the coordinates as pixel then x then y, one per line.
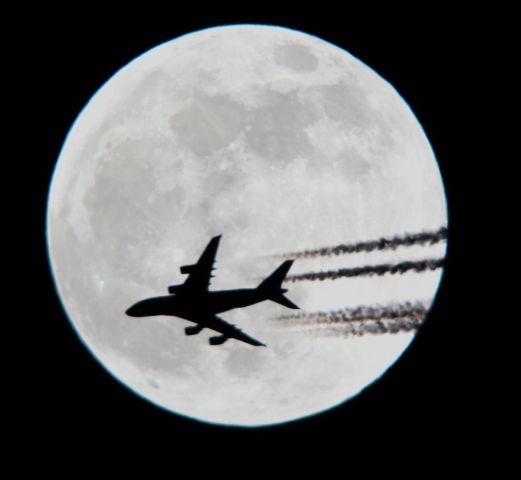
pixel 289 147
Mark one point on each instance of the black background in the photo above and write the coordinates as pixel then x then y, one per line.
pixel 420 405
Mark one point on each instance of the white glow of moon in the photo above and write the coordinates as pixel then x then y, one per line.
pixel 278 140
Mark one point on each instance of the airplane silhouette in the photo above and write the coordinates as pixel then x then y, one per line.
pixel 193 301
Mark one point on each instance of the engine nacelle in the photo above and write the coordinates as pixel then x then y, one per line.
pixel 217 340
pixel 193 330
pixel 173 289
pixel 187 268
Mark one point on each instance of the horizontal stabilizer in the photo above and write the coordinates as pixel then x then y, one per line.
pixel 282 300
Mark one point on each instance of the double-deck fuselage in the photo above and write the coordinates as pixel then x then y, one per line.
pixel 192 307
pixel 193 301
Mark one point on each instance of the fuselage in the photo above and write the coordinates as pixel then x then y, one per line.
pixel 193 308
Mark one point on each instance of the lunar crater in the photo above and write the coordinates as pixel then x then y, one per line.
pixel 296 57
pixel 208 123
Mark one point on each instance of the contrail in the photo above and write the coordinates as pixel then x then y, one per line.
pixel 372 327
pixel 393 311
pixel 391 243
pixel 362 320
pixel 369 270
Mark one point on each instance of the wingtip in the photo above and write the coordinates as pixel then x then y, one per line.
pixel 289 263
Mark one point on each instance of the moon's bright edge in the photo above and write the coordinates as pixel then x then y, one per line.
pixel 280 141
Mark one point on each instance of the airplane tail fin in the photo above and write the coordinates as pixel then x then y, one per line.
pixel 272 286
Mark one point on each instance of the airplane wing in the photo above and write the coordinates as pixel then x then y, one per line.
pixel 200 274
pixel 230 331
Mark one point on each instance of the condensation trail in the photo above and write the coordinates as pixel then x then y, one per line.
pixel 369 270
pixel 391 243
pixel 361 320
pixel 415 310
pixel 370 327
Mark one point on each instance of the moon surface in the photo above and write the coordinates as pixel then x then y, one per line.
pixel 280 141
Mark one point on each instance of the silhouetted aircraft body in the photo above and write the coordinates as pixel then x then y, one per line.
pixel 193 301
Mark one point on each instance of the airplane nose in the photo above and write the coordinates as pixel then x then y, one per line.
pixel 133 311
pixel 147 307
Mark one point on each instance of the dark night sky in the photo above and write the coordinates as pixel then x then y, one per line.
pixel 418 403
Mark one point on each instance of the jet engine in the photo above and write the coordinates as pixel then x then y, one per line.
pixel 187 268
pixel 193 330
pixel 219 340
